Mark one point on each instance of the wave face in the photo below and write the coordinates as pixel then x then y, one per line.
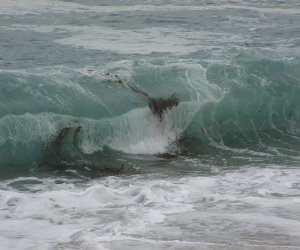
pixel 46 100
pixel 248 104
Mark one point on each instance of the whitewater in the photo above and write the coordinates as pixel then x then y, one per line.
pixel 149 124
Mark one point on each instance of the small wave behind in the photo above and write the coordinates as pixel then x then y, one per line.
pixel 260 111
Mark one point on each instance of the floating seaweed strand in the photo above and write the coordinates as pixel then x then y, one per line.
pixel 158 106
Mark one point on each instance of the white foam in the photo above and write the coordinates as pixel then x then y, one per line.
pixel 142 41
pixel 296 200
pixel 66 209
pixel 156 216
pixel 108 210
pixel 137 41
pixel 153 145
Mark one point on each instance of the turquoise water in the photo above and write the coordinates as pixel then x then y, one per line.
pixel 85 155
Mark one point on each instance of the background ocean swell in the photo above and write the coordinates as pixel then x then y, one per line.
pixel 249 104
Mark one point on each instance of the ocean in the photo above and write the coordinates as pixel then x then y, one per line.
pixel 149 124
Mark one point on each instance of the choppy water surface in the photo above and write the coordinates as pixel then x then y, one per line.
pixel 149 124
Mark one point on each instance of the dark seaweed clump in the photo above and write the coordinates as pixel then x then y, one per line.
pixel 58 155
pixel 158 105
pixel 111 170
pixel 54 148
